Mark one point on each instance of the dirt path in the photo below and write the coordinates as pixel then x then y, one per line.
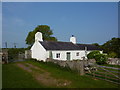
pixel 42 76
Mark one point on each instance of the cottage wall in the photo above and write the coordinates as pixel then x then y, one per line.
pixel 38 52
pixel 63 54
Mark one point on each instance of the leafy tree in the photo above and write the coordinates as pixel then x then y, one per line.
pixel 112 55
pixel 112 45
pixel 30 38
pixel 96 44
pixel 46 32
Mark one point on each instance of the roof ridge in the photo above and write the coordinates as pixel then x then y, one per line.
pixel 86 44
pixel 56 41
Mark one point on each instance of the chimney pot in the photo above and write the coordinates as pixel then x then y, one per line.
pixel 73 39
pixel 38 36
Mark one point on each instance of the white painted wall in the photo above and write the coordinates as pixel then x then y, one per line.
pixel 63 54
pixel 38 52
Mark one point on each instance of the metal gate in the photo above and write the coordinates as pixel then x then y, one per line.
pixel 106 73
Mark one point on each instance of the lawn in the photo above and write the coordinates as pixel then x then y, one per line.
pixel 47 74
pixel 14 77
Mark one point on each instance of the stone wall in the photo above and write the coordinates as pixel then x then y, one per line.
pixel 77 65
pixel 4 55
pixel 114 61
pixel 27 54
pixel 21 56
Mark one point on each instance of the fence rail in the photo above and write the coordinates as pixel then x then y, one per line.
pixel 106 73
pixel 117 72
pixel 105 79
pixel 108 67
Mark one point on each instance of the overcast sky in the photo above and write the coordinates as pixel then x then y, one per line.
pixel 89 22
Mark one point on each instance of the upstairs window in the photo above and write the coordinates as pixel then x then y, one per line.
pixel 77 54
pixel 58 55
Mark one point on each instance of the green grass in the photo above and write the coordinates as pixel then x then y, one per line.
pixel 14 77
pixel 78 81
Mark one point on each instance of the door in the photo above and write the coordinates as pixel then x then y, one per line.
pixel 68 55
pixel 50 55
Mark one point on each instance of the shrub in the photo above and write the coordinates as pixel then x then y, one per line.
pixel 92 54
pixel 13 53
pixel 100 58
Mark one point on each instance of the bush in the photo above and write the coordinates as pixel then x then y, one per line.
pixel 112 55
pixel 100 58
pixel 13 53
pixel 92 54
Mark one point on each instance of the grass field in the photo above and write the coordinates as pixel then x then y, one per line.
pixel 33 74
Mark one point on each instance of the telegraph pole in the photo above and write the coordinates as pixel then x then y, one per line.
pixel 5 44
pixel 14 45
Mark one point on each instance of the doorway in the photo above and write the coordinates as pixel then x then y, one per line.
pixel 68 55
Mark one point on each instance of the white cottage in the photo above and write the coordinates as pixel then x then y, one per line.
pixel 41 50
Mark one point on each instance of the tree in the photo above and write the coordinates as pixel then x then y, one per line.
pixel 96 44
pixel 112 45
pixel 30 38
pixel 46 32
pixel 112 55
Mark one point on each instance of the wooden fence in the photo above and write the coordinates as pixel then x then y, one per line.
pixel 106 73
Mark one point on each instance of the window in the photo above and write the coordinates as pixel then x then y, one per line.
pixel 77 54
pixel 58 55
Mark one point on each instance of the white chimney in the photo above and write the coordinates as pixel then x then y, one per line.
pixel 73 39
pixel 38 36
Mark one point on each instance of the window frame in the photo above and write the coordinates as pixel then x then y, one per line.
pixel 57 55
pixel 77 54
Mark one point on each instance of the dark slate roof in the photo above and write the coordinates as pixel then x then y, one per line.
pixel 89 47
pixel 51 45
